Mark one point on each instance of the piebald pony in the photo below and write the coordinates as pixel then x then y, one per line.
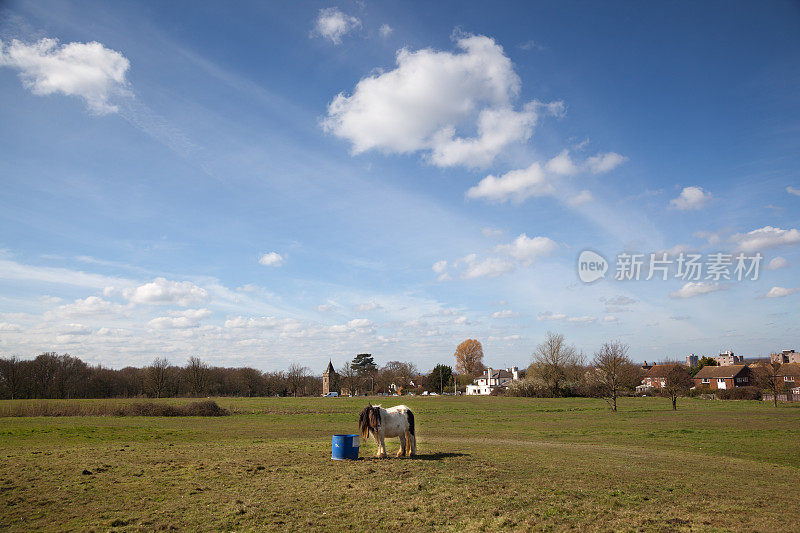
pixel 396 421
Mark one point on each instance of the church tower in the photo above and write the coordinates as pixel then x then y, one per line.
pixel 329 379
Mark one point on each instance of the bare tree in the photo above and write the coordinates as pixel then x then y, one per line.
pixel 10 374
pixel 296 378
pixel 677 382
pixel 350 378
pixel 612 372
pixel 157 376
pixel 555 363
pixel 197 372
pixel 768 377
pixel 469 357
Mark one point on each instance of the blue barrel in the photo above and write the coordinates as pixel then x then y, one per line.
pixel 344 447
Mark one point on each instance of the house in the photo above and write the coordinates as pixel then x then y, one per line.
pixel 786 356
pixel 789 375
pixel 492 379
pixel 656 377
pixel 729 358
pixel 723 377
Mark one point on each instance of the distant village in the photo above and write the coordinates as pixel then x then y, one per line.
pixel 725 371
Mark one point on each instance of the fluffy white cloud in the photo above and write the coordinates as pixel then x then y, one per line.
pixel 74 329
pixel 777 262
pixel 439 266
pixel 9 327
pixel 541 180
pixel 692 289
pixel 792 190
pixel 516 185
pixel 491 232
pixel 325 308
pixel 602 163
pixel 431 98
pixel 766 237
pixel 273 259
pixel 609 318
pixel 580 198
pixel 490 267
pixel 505 313
pixel 690 198
pixel 333 24
pixel 780 292
pixel 385 30
pixel 87 70
pixel 163 291
pixel 90 306
pixel 359 325
pixel 188 318
pixel 527 250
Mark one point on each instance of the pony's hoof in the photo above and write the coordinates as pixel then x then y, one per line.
pixel 381 456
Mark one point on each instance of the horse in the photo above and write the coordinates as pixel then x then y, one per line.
pixel 396 421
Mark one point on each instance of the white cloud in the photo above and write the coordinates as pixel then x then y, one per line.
pixel 690 198
pixel 333 24
pixel 188 318
pixel 602 163
pixel 527 250
pixel 780 292
pixel 582 319
pixel 361 325
pixel 163 291
pixel 491 267
pixel 505 313
pixel 368 306
pixel 9 328
pixel 551 316
pixel 74 329
pixel 492 232
pixel 385 30
pixel 777 262
pixel 430 96
pixel 609 318
pixel 264 322
pixel 273 259
pixel 580 198
pixel 766 237
pixel 541 180
pixel 90 306
pixel 711 237
pixel 439 266
pixel 516 185
pixel 325 308
pixel 792 190
pixel 444 277
pixel 692 288
pixel 87 70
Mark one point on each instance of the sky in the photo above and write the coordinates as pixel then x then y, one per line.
pixel 268 183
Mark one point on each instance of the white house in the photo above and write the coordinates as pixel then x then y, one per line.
pixel 492 379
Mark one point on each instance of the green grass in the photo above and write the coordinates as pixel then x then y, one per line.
pixel 485 464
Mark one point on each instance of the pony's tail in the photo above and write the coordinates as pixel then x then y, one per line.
pixel 410 422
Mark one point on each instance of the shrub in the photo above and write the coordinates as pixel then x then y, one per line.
pixel 204 408
pixel 739 393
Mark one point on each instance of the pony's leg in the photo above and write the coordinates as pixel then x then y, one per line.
pixel 381 447
pixel 412 444
pixel 402 450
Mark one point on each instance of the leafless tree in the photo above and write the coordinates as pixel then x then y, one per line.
pixel 197 372
pixel 350 378
pixel 296 378
pixel 157 376
pixel 612 372
pixel 769 378
pixel 555 363
pixel 677 382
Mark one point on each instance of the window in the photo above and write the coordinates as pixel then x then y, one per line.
pixel 706 380
pixel 720 380
pixel 788 378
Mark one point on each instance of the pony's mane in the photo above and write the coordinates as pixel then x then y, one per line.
pixel 369 420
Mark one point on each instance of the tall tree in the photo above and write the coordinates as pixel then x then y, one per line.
pixel 157 376
pixel 469 357
pixel 440 377
pixel 366 369
pixel 612 372
pixel 770 378
pixel 197 372
pixel 349 378
pixel 555 363
pixel 296 378
pixel 11 375
pixel 677 382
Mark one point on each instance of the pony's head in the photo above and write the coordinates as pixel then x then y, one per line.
pixel 369 420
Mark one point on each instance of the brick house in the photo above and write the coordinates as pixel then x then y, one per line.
pixel 789 375
pixel 723 377
pixel 656 377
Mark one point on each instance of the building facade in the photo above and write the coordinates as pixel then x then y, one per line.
pixel 723 377
pixel 492 379
pixel 330 380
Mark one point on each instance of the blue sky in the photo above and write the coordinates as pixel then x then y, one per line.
pixel 264 184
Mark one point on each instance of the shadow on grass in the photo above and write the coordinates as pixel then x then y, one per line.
pixel 438 456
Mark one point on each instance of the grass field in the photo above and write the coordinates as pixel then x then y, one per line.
pixel 484 464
